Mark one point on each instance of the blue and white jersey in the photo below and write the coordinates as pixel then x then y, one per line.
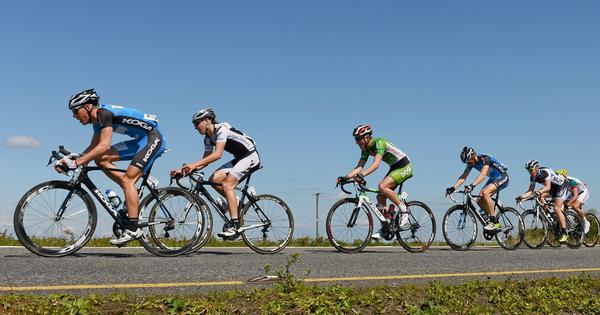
pixel 497 169
pixel 127 121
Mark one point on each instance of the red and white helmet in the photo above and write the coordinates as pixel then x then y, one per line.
pixel 362 130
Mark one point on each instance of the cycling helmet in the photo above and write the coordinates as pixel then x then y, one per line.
pixel 203 113
pixel 562 172
pixel 531 164
pixel 362 130
pixel 82 98
pixel 466 154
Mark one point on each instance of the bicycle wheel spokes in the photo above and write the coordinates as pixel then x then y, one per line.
pixel 535 229
pixel 344 235
pixel 511 233
pixel 174 224
pixel 575 227
pixel 267 224
pixel 590 239
pixel 43 231
pixel 420 232
pixel 460 228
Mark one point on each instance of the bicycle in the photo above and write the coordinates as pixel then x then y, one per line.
pixel 542 226
pixel 593 235
pixel 460 228
pixel 353 217
pixel 57 218
pixel 266 221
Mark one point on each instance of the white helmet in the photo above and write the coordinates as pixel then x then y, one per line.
pixel 82 98
pixel 531 164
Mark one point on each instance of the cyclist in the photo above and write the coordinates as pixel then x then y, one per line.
pixel 554 185
pixel 400 169
pixel 498 180
pixel 578 194
pixel 147 144
pixel 219 137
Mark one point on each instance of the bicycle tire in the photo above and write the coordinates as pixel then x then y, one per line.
pixel 157 239
pixel 507 216
pixel 468 237
pixel 65 246
pixel 593 235
pixel 535 230
pixel 419 237
pixel 205 237
pixel 354 243
pixel 576 234
pixel 279 221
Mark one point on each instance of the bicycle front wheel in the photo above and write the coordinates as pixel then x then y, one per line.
pixel 535 229
pixel 590 239
pixel 460 228
pixel 43 230
pixel 575 227
pixel 349 227
pixel 511 233
pixel 267 224
pixel 174 224
pixel 418 235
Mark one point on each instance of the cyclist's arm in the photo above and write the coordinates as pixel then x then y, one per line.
pixel 529 191
pixel 575 193
pixel 482 175
pixel 357 169
pixel 463 177
pixel 209 157
pixel 103 141
pixel 374 166
pixel 546 187
pixel 93 143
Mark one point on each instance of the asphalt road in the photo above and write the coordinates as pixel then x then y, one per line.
pixel 103 270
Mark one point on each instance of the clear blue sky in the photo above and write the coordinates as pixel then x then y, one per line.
pixel 515 79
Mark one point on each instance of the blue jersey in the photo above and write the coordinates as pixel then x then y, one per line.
pixel 497 169
pixel 125 121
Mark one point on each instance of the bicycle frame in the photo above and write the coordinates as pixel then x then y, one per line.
pixel 547 216
pixel 197 188
pixel 470 206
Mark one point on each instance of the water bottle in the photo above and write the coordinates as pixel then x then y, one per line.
pixel 152 181
pixel 222 204
pixel 114 200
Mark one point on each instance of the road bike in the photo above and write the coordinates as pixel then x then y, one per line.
pixel 266 221
pixel 593 235
pixel 57 218
pixel 460 224
pixel 542 226
pixel 350 224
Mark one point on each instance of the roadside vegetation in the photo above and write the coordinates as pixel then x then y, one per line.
pixel 291 295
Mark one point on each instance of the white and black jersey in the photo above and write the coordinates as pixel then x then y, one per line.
pixel 236 142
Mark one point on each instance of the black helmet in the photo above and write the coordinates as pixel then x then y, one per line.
pixel 82 98
pixel 466 154
pixel 203 113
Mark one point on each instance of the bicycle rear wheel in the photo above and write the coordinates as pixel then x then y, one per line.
pixel 175 222
pixel 460 228
pixel 418 235
pixel 590 239
pixel 42 231
pixel 511 233
pixel 535 229
pixel 349 227
pixel 575 227
pixel 267 223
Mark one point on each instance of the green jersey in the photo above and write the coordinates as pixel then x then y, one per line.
pixel 390 153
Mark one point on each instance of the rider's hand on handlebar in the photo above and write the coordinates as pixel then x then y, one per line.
pixel 519 199
pixel 469 188
pixel 341 179
pixel 360 178
pixel 65 164
pixel 450 190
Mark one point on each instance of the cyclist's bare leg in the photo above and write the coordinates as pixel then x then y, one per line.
pixel 219 177
pixel 558 207
pixel 128 181
pixel 386 190
pixel 485 200
pixel 106 162
pixel 229 185
pixel 579 209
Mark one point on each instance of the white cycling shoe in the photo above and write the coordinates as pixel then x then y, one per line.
pixel 586 226
pixel 232 231
pixel 128 236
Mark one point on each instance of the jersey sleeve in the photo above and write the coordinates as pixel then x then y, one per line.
pixel 105 120
pixel 380 146
pixel 572 183
pixel 486 160
pixel 221 134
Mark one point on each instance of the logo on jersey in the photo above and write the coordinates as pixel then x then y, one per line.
pixel 138 123
pixel 151 150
